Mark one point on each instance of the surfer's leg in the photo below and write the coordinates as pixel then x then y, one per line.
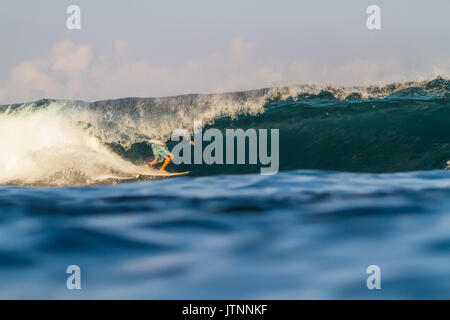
pixel 147 165
pixel 154 162
pixel 168 160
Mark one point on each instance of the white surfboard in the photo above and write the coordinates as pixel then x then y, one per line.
pixel 160 174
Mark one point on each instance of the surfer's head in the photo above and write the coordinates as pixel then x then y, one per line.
pixel 153 141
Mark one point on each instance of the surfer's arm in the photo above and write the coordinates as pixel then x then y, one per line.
pixel 180 139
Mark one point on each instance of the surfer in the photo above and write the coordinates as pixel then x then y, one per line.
pixel 162 154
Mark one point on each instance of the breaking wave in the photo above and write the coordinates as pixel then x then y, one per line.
pixel 398 127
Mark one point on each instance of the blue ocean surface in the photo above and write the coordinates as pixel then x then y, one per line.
pixel 361 182
pixel 299 234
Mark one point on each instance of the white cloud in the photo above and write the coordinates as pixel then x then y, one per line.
pixel 68 58
pixel 27 80
pixel 75 71
pixel 241 49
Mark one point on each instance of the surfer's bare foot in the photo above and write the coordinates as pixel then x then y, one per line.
pixel 145 166
pixel 162 171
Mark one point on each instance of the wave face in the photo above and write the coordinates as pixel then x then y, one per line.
pixel 399 127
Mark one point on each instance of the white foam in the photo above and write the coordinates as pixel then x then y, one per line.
pixel 46 145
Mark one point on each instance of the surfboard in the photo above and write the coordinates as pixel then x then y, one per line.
pixel 168 174
pixel 151 175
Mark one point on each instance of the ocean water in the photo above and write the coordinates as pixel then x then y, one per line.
pixel 362 182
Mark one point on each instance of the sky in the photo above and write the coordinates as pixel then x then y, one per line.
pixel 162 48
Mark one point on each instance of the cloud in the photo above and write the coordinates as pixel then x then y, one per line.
pixel 74 71
pixel 28 80
pixel 241 49
pixel 70 59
